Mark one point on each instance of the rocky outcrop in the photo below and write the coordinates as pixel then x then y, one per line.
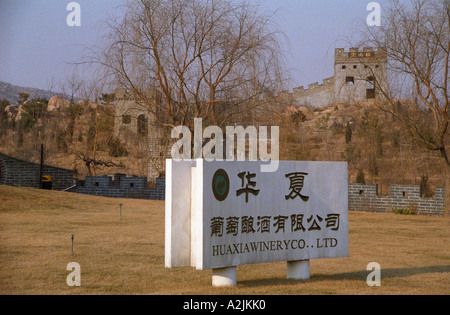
pixel 57 103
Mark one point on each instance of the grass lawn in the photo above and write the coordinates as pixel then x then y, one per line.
pixel 127 256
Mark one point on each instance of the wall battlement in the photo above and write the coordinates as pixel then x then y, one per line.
pixel 312 89
pixel 358 55
pixel 364 197
pixel 122 186
pixel 353 68
pixel 124 95
pixel 20 173
pixel 361 197
pixel 315 95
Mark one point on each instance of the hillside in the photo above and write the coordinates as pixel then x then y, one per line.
pixel 11 92
pixel 379 148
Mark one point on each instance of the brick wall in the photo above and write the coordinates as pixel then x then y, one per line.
pixel 361 197
pixel 2 172
pixel 20 173
pixel 364 197
pixel 122 186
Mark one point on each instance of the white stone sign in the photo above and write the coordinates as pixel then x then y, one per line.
pixel 228 213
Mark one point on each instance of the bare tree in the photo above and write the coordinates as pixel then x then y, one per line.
pixel 207 58
pixel 415 35
pixel 93 163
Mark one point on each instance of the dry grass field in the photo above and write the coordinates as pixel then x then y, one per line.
pixel 127 256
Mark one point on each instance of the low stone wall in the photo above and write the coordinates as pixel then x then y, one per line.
pixel 361 197
pixel 122 186
pixel 364 197
pixel 20 173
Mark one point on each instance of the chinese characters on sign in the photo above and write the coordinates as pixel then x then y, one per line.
pixel 248 183
pixel 245 224
pixel 247 177
pixel 263 224
pixel 297 180
pixel 360 54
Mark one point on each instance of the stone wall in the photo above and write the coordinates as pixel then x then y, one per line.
pixel 360 66
pixel 20 173
pixel 135 123
pixel 364 197
pixel 121 186
pixel 361 197
pixel 317 95
pixel 355 72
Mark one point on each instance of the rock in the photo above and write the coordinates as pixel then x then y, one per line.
pixel 18 116
pixel 57 103
pixel 11 109
pixel 88 104
pixel 11 112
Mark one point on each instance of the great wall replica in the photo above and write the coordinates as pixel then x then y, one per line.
pixel 361 197
pixel 355 73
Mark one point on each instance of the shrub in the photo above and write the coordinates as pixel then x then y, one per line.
pixel 348 133
pixel 117 149
pixel 411 210
pixel 360 177
pixel 425 186
pixel 350 154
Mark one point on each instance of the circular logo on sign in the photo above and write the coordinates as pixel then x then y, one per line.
pixel 220 185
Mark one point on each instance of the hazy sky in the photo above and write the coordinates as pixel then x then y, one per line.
pixel 36 43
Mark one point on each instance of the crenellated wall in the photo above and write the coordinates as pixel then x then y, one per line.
pixel 122 186
pixel 364 197
pixel 21 173
pixel 361 197
pixel 315 95
pixel 354 72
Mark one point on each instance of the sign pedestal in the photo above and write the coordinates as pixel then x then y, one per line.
pixel 224 277
pixel 298 270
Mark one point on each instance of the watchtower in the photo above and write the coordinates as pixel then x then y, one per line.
pixel 359 74
pixel 136 124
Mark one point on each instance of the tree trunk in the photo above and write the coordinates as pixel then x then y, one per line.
pixel 90 176
pixel 447 192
